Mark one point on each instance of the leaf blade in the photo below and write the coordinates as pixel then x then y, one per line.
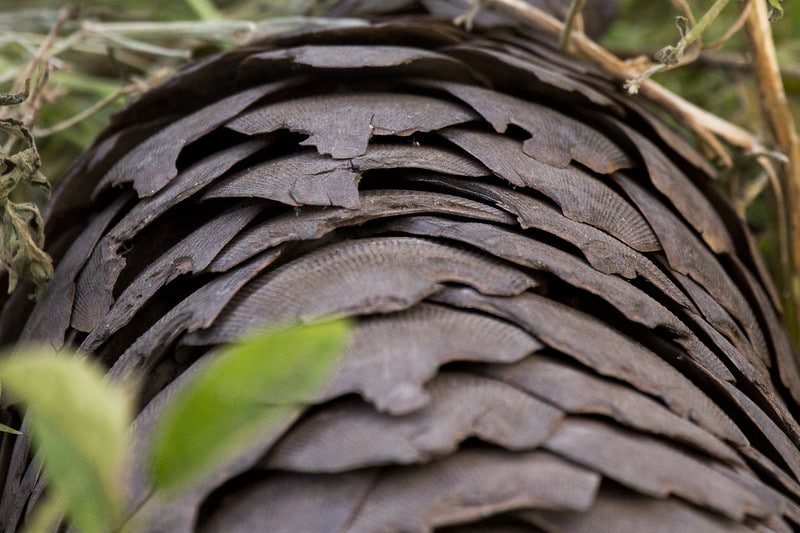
pixel 79 423
pixel 8 429
pixel 245 388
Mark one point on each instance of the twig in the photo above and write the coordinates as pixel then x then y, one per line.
pixel 205 9
pixel 83 115
pixel 33 103
pixel 205 30
pixel 573 17
pixel 778 115
pixel 64 13
pixel 719 43
pixel 714 59
pixel 742 63
pixel 683 8
pixel 671 55
pixel 137 87
pixel 705 125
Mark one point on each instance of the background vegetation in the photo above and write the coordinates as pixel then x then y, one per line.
pixel 722 82
pixel 96 60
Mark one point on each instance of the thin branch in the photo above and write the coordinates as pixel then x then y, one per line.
pixel 83 115
pixel 574 17
pixel 466 19
pixel 713 59
pixel 205 30
pixel 778 118
pixel 704 124
pixel 64 13
pixel 682 6
pixel 33 103
pixel 692 36
pixel 137 87
pixel 740 22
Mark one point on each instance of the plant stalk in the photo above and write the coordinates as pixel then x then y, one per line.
pixel 779 120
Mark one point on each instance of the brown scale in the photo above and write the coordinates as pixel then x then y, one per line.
pixel 559 325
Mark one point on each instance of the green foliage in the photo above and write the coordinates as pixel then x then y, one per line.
pixel 80 424
pixel 6 429
pixel 716 81
pixel 95 67
pixel 775 9
pixel 79 421
pixel 245 388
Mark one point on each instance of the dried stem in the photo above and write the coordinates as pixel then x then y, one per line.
pixel 705 125
pixel 693 35
pixel 64 14
pixel 711 128
pixel 778 118
pixel 671 57
pixel 574 18
pixel 719 43
pixel 682 6
pixel 740 62
pixel 33 101
pixel 83 115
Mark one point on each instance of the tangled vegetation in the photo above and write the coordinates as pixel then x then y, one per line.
pixel 21 226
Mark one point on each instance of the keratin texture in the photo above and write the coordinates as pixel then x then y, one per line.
pixel 560 325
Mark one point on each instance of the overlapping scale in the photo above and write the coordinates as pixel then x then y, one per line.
pixel 558 325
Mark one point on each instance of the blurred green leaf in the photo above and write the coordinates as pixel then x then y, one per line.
pixel 79 424
pixel 6 429
pixel 244 389
pixel 46 516
pixel 206 10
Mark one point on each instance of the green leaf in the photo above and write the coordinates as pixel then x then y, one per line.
pixel 6 429
pixel 46 515
pixel 79 424
pixel 775 9
pixel 240 393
